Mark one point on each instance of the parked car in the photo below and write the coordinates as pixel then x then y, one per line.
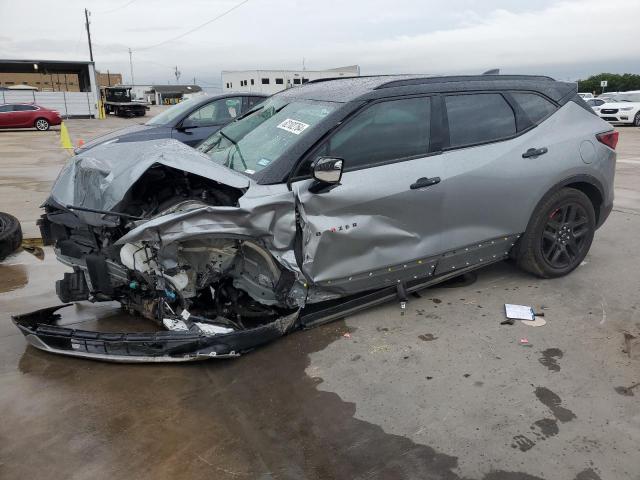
pixel 328 198
pixel 622 108
pixel 595 103
pixel 189 122
pixel 28 115
pixel 585 96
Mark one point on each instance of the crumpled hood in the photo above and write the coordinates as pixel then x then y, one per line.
pixel 100 177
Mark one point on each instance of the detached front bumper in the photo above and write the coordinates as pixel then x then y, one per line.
pixel 41 331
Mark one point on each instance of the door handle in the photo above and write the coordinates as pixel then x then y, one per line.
pixel 424 182
pixel 535 152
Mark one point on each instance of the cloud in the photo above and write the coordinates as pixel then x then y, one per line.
pixel 434 36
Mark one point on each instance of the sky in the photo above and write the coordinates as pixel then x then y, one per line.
pixel 568 40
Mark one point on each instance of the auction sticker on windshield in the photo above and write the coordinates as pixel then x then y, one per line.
pixel 293 126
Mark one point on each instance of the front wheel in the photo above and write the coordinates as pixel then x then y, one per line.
pixel 42 125
pixel 636 120
pixel 559 235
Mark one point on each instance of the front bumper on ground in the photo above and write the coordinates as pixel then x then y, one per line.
pixel 41 331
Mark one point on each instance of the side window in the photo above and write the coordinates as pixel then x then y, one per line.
pixel 251 101
pixel 220 111
pixel 6 108
pixel 23 108
pixel 479 118
pixel 535 107
pixel 384 131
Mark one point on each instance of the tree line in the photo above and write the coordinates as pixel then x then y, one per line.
pixel 615 82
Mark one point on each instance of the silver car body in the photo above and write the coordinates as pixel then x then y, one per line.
pixel 289 246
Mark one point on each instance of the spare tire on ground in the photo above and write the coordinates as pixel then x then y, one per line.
pixel 10 235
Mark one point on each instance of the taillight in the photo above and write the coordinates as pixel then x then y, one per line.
pixel 610 139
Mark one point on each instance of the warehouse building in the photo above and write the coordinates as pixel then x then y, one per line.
pixel 66 86
pixel 273 81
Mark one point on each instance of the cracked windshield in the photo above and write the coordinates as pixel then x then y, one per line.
pixel 256 141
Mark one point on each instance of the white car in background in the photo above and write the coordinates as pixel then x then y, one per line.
pixel 622 108
pixel 586 96
pixel 595 103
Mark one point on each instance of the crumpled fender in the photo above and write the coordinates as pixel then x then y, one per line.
pixel 267 219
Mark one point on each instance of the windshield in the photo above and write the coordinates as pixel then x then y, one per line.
pixel 257 140
pixel 175 112
pixel 625 97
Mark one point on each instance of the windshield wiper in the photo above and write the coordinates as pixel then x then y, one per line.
pixel 227 137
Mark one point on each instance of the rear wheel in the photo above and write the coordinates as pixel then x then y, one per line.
pixel 10 235
pixel 42 124
pixel 559 235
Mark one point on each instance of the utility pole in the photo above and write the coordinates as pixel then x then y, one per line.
pixel 86 16
pixel 131 66
pixel 194 80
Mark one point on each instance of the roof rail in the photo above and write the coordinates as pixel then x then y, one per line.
pixel 459 78
pixel 320 80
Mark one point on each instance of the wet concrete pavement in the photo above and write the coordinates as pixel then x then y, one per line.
pixel 442 392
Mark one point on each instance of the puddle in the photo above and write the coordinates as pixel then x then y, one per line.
pixel 554 403
pixel 550 358
pixel 13 277
pixel 259 416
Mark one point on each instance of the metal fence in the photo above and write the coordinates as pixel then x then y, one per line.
pixel 69 104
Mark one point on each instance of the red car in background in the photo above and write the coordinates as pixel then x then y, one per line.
pixel 28 115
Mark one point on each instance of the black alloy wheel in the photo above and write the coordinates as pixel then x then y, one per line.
pixel 565 236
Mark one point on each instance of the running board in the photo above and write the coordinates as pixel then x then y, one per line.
pixel 356 303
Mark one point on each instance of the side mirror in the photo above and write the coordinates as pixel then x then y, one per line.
pixel 187 124
pixel 327 170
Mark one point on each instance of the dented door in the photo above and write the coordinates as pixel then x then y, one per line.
pixel 381 222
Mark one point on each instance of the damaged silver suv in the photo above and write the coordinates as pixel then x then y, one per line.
pixel 325 199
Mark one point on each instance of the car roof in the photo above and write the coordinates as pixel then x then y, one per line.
pixel 208 98
pixel 362 88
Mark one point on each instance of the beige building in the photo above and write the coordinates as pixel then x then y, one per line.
pixel 108 79
pixel 55 82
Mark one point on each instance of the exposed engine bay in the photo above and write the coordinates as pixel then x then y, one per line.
pixel 199 285
pixel 205 285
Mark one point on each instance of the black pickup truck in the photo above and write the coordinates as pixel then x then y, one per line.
pixel 117 100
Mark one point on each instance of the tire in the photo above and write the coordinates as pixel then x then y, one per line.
pixel 636 120
pixel 10 235
pixel 558 236
pixel 41 124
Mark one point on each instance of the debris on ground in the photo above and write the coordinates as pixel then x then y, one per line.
pixel 627 391
pixel 519 312
pixel 538 322
pixel 525 342
pixel 524 313
pixel 628 339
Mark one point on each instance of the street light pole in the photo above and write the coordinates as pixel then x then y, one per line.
pixel 131 66
pixel 86 16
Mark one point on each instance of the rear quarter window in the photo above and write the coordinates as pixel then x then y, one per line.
pixel 479 118
pixel 535 107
